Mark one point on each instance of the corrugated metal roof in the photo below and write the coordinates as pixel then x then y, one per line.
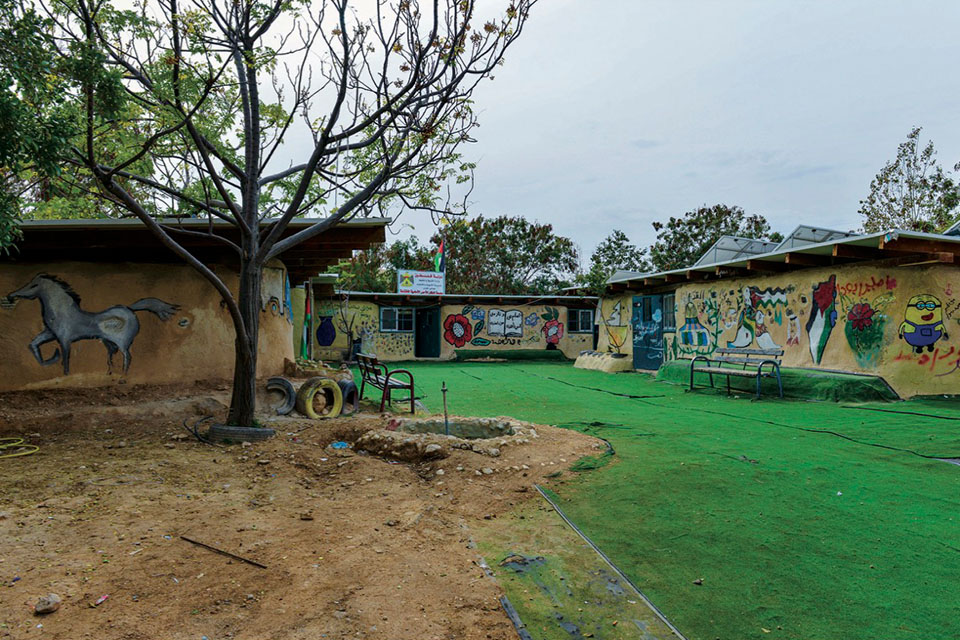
pixel 805 234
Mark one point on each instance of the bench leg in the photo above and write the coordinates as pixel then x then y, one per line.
pixel 384 398
pixel 779 385
pixel 691 377
pixel 728 385
pixel 412 408
pixel 711 380
pixel 758 386
pixel 363 383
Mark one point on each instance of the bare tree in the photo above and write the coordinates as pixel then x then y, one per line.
pixel 190 107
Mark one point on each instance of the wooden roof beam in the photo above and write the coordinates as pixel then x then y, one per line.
pixel 728 271
pixel 917 245
pixel 808 259
pixel 767 265
pixel 693 274
pixel 675 277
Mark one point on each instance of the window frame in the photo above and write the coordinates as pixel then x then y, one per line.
pixel 580 326
pixel 669 305
pixel 396 318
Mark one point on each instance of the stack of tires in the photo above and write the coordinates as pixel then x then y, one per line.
pixel 318 397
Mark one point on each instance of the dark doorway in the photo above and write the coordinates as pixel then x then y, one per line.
pixel 647 328
pixel 427 338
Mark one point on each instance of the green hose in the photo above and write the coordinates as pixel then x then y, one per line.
pixel 17 443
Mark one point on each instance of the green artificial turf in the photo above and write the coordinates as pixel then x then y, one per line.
pixel 804 519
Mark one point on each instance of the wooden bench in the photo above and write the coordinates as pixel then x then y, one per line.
pixel 376 374
pixel 745 357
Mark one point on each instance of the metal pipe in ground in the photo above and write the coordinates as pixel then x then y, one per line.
pixel 446 417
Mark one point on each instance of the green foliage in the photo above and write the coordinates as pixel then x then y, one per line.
pixel 614 253
pixel 506 255
pixel 375 269
pixel 911 192
pixel 681 241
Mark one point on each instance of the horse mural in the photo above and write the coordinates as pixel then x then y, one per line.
pixel 65 322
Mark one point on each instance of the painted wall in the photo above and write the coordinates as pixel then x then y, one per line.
pixel 74 324
pixel 901 323
pixel 614 324
pixel 470 327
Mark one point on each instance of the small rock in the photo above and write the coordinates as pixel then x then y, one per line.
pixel 306 516
pixel 170 445
pixel 263 461
pixel 47 604
pixel 121 445
pixel 391 523
pixel 487 471
pixel 440 472
pixel 245 444
pixel 432 448
pixel 698 581
pixel 493 452
pixel 340 614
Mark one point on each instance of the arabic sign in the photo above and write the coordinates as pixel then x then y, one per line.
pixel 430 283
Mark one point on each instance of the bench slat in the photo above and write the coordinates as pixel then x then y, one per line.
pixel 740 360
pixel 732 372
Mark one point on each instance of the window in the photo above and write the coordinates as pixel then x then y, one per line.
pixel 669 312
pixel 396 319
pixel 580 320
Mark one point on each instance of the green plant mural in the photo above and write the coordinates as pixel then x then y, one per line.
pixel 866 321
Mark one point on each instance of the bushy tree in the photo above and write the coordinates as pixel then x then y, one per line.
pixel 181 109
pixel 614 253
pixel 681 241
pixel 508 255
pixel 375 269
pixel 911 192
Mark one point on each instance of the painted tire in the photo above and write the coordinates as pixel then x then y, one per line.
pixel 308 393
pixel 289 394
pixel 351 397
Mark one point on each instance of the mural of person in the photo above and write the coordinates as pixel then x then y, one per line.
pixel 693 333
pixel 922 322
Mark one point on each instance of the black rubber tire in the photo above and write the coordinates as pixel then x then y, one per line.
pixel 222 432
pixel 285 387
pixel 311 388
pixel 351 397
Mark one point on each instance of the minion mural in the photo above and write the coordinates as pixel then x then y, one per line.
pixel 922 322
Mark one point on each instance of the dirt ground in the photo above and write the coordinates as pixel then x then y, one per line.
pixel 355 545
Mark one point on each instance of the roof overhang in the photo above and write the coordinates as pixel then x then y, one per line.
pixel 891 248
pixel 465 298
pixel 128 240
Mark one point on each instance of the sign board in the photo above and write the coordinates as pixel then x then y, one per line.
pixel 421 283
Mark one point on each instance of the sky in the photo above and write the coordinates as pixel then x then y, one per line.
pixel 611 114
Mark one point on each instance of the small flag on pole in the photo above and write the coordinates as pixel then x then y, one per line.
pixel 305 340
pixel 439 259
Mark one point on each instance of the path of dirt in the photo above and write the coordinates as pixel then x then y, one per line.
pixel 356 546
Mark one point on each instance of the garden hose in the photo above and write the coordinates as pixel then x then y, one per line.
pixel 17 443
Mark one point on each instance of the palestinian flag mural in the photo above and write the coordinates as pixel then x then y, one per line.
pixel 823 317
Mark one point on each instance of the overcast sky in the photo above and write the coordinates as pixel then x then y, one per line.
pixel 615 113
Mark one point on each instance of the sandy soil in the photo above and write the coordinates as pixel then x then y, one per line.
pixel 355 546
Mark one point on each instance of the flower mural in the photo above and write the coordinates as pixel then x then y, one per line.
pixel 861 316
pixel 552 327
pixel 457 330
pixel 553 330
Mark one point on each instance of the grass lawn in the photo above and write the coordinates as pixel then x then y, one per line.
pixel 803 520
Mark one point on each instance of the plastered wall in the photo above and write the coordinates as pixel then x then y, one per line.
pixel 166 320
pixel 901 323
pixel 614 324
pixel 463 327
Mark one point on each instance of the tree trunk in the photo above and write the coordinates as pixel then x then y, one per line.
pixel 244 400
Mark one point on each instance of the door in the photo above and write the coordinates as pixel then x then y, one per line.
pixel 427 334
pixel 647 332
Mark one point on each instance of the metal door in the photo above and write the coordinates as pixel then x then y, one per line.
pixel 427 337
pixel 647 328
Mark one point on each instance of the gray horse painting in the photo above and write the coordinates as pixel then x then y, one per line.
pixel 65 322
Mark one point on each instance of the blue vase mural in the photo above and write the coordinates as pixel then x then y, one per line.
pixel 326 332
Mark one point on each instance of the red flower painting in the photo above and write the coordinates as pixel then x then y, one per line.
pixel 861 316
pixel 553 330
pixel 457 330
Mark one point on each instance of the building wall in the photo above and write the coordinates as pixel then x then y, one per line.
pixel 614 324
pixel 470 327
pixel 194 342
pixel 853 318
